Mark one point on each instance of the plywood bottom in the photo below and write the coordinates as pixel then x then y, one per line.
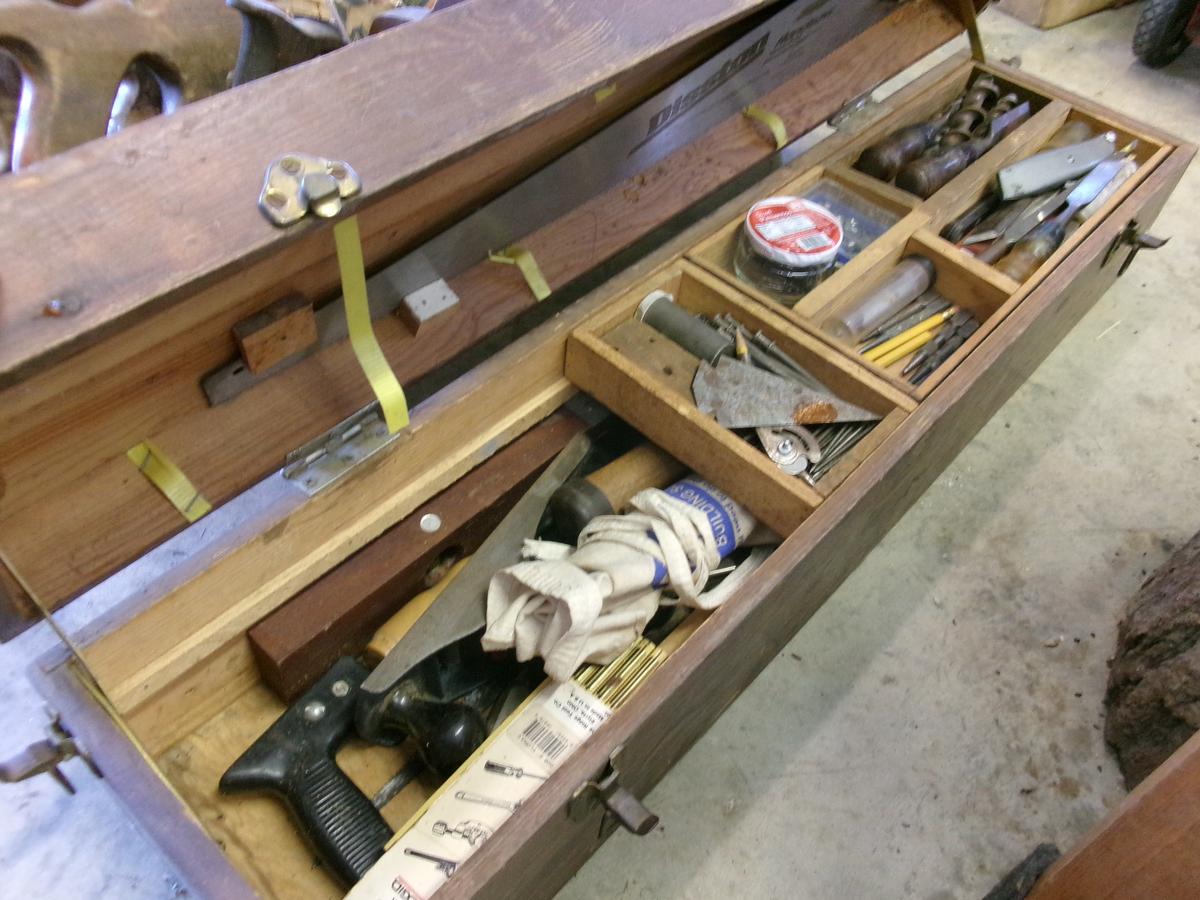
pixel 255 831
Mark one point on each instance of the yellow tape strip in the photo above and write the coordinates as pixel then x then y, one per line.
pixel 521 258
pixel 168 478
pixel 605 92
pixel 362 336
pixel 772 121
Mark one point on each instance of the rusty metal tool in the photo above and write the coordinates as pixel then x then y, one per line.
pixel 460 611
pixel 1052 168
pixel 739 395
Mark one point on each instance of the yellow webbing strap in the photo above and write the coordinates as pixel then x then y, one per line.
pixel 772 121
pixel 521 258
pixel 605 92
pixel 374 364
pixel 168 478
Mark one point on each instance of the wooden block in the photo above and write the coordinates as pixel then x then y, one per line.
pixel 1052 13
pixel 1145 848
pixel 271 336
pixel 338 613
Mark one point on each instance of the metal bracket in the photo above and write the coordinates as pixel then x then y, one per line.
pixel 45 757
pixel 300 183
pixel 621 806
pixel 1131 236
pixel 852 113
pixel 322 461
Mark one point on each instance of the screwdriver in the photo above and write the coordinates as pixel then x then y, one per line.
pixel 904 338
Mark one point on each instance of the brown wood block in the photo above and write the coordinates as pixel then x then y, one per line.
pixel 338 613
pixel 1145 848
pixel 271 336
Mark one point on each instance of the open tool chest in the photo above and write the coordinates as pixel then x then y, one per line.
pixel 161 682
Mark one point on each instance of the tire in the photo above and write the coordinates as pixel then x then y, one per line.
pixel 1161 31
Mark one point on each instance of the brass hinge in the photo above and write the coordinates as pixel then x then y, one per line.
pixel 324 460
pixel 45 757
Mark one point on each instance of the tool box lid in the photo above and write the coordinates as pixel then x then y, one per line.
pixel 129 261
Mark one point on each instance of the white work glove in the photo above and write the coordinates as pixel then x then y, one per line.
pixel 572 607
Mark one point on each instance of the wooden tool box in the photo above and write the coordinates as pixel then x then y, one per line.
pixel 160 686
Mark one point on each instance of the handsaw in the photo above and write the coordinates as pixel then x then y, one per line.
pixel 743 396
pixel 461 610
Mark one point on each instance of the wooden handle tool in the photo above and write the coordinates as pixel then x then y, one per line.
pixel 609 488
pixel 388 634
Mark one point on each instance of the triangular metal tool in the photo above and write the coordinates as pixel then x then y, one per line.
pixel 742 396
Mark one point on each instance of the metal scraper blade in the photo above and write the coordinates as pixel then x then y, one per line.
pixel 742 396
pixel 461 609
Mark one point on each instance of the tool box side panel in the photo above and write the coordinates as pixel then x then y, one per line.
pixel 137 784
pixel 540 848
pixel 144 379
pixel 1002 364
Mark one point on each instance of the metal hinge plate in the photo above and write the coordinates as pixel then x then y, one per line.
pixel 322 461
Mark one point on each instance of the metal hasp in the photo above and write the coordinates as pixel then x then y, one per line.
pixel 621 806
pixel 299 183
pixel 1131 236
pixel 45 757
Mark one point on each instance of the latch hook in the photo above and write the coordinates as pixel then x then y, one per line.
pixel 1131 236
pixel 45 756
pixel 621 806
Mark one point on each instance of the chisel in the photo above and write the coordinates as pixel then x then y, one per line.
pixel 1041 243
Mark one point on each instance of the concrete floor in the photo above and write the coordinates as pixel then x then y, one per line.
pixel 921 734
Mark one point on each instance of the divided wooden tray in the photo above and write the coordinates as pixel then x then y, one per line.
pixel 170 665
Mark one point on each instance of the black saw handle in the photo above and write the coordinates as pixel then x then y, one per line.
pixel 294 759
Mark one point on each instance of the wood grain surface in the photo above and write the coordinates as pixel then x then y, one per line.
pixel 541 847
pixel 181 194
pixel 337 614
pixel 64 433
pixel 179 631
pixel 1145 848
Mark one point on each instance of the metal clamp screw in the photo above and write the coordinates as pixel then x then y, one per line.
pixel 45 756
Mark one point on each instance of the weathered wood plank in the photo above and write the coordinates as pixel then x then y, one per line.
pixel 77 495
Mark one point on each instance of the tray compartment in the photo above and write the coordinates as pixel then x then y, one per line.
pixel 715 253
pixel 932 104
pixel 959 278
pixel 652 391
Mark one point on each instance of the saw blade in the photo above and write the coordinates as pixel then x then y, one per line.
pixel 742 396
pixel 461 610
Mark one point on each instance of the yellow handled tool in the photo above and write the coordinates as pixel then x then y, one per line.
pixel 877 354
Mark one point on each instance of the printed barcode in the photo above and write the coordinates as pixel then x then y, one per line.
pixel 813 241
pixel 540 734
